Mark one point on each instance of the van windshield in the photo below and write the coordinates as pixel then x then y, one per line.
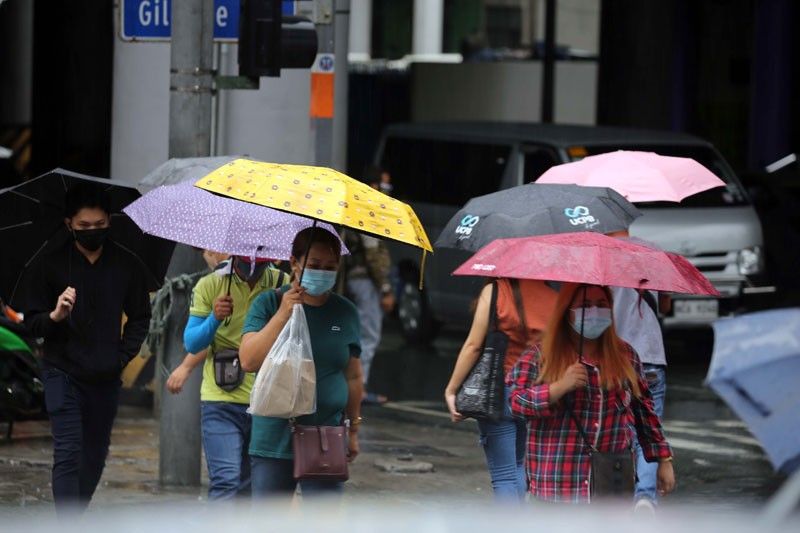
pixel 730 195
pixel 443 172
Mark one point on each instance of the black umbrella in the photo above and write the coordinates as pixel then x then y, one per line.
pixel 536 209
pixel 32 224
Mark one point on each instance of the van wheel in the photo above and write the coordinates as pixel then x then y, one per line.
pixel 416 322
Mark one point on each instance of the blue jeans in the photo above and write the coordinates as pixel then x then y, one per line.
pixel 656 376
pixel 226 439
pixel 274 477
pixel 504 445
pixel 81 418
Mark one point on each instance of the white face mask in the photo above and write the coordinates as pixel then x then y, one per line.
pixel 596 320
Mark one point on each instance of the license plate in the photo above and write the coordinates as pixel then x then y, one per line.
pixel 696 309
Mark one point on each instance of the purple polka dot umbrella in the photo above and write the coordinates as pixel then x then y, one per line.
pixel 186 214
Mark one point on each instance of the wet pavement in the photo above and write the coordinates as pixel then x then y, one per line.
pixel 718 463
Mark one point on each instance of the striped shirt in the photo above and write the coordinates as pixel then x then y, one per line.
pixel 558 459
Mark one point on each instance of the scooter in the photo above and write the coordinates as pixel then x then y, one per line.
pixel 21 387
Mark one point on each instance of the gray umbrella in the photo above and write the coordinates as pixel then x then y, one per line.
pixel 536 209
pixel 179 169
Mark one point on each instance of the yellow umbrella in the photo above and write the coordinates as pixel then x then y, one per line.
pixel 319 193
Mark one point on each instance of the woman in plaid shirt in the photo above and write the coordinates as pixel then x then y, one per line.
pixel 607 391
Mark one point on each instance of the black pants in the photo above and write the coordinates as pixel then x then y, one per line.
pixel 81 418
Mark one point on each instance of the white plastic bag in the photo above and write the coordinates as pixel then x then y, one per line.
pixel 286 384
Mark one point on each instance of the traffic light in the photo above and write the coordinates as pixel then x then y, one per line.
pixel 269 41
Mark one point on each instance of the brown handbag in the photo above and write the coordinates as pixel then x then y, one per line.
pixel 320 452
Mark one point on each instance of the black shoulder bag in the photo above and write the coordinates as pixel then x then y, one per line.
pixel 613 474
pixel 228 373
pixel 482 395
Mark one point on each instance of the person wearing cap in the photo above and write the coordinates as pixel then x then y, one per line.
pixel 219 305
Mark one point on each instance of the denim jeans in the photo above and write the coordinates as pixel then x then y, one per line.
pixel 81 418
pixel 504 445
pixel 274 477
pixel 646 472
pixel 226 439
pixel 370 316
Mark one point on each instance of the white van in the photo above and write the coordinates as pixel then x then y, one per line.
pixel 437 167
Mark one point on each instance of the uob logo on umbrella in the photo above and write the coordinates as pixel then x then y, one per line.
pixel 580 216
pixel 464 229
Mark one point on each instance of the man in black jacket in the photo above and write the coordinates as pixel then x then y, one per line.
pixel 75 300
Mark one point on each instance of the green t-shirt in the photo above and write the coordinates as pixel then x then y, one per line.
pixel 229 332
pixel 335 337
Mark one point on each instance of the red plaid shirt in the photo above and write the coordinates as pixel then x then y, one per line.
pixel 558 460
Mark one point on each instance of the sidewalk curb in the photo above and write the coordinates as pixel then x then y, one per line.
pixel 431 414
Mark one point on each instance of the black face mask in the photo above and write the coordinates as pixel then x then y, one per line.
pixel 91 239
pixel 243 270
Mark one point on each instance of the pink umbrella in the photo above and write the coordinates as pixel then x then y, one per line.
pixel 638 176
pixel 587 257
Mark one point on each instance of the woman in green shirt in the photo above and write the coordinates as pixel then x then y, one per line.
pixel 335 342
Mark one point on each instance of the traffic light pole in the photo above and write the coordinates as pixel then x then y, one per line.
pixel 191 79
pixel 331 18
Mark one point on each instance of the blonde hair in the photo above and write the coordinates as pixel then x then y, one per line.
pixel 558 352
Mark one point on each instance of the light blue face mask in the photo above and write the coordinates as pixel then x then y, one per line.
pixel 318 282
pixel 596 320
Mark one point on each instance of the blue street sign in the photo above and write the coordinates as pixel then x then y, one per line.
pixel 150 20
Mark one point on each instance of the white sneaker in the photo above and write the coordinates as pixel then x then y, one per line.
pixel 644 507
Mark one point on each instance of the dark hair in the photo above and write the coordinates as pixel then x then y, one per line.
pixel 85 195
pixel 372 174
pixel 307 237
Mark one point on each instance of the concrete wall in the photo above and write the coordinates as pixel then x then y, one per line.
pixel 271 123
pixel 507 91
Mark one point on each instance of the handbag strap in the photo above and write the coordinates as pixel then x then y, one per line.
pixel 493 308
pixel 570 409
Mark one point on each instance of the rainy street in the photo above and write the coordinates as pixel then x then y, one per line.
pixel 260 254
pixel 410 449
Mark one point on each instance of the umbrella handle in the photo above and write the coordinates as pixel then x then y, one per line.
pixel 583 317
pixel 308 250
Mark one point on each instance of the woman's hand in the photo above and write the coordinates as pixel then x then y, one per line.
pixel 289 298
pixel 450 398
pixel 665 478
pixel 353 447
pixel 575 377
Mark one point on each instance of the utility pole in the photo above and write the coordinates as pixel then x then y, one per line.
pixel 329 83
pixel 549 63
pixel 191 86
pixel 341 85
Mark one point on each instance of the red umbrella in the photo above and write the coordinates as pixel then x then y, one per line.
pixel 590 258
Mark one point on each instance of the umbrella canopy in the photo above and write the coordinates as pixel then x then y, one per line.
pixel 180 169
pixel 587 257
pixel 638 176
pixel 32 224
pixel 534 209
pixel 319 193
pixel 755 368
pixel 185 214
